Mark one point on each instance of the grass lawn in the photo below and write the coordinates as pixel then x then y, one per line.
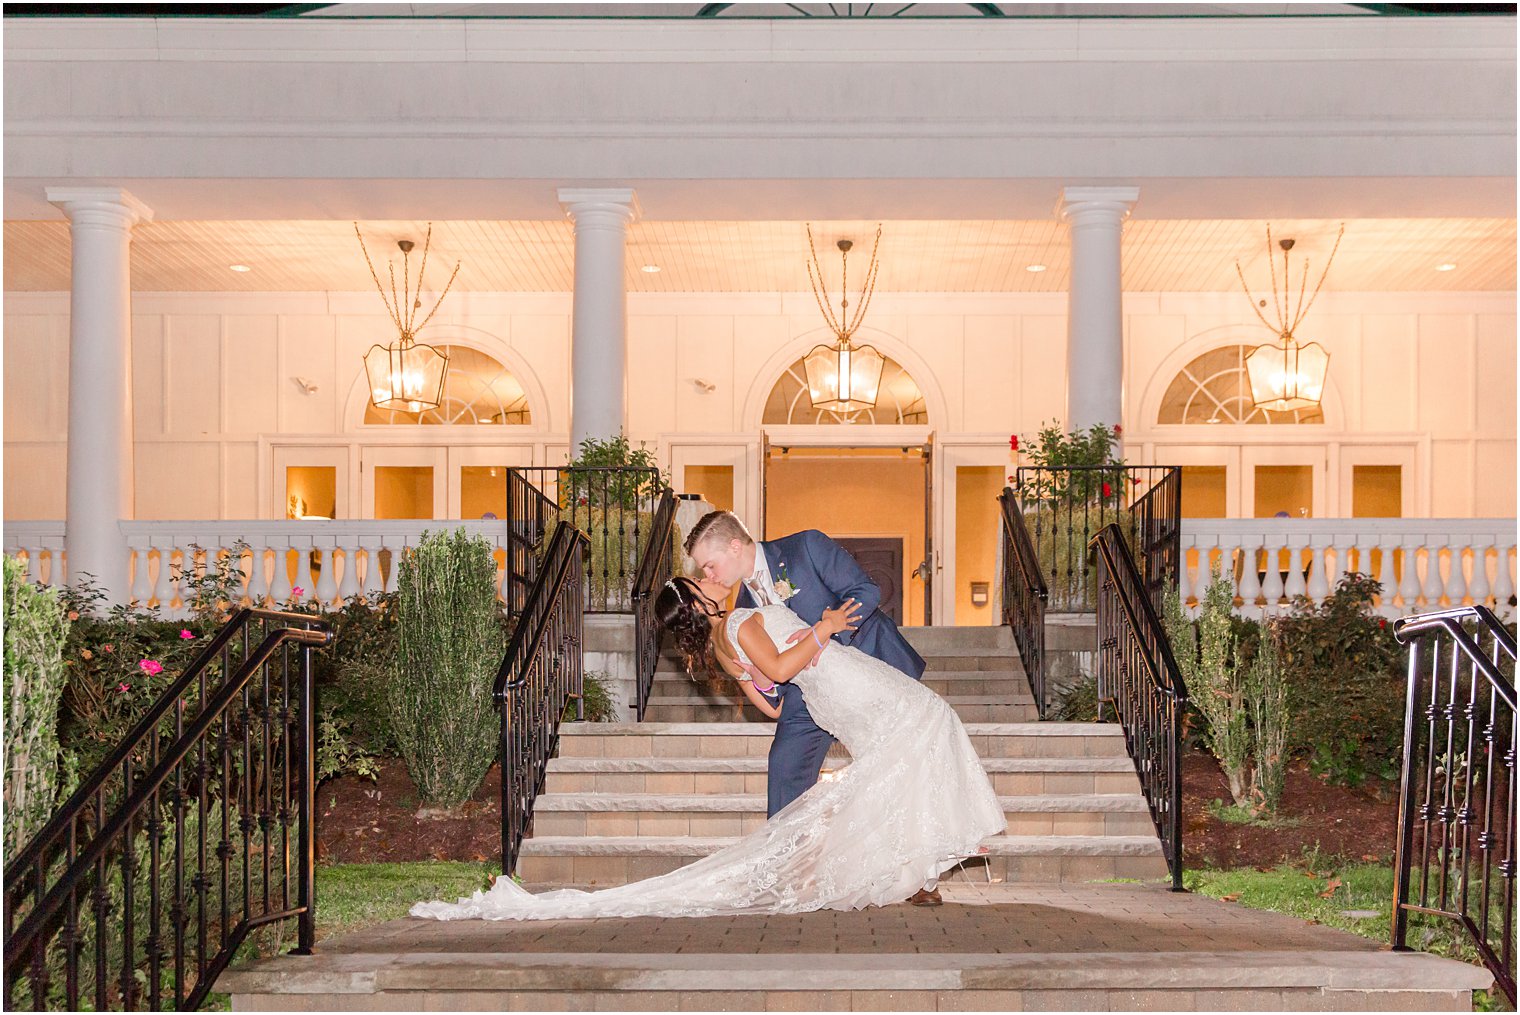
pixel 1354 897
pixel 356 895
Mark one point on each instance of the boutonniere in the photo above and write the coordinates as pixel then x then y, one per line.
pixel 783 589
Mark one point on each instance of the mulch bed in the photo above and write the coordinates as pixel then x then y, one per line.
pixel 360 821
pixel 1348 823
pixel 371 822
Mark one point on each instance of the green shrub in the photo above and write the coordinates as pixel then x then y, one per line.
pixel 449 645
pixel 35 777
pixel 352 674
pixel 1346 679
pixel 1267 695
pixel 1215 677
pixel 1077 701
pixel 600 703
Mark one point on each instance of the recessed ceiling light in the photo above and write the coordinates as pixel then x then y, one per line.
pixel 239 267
pixel 1034 267
pixel 652 269
pixel 1448 266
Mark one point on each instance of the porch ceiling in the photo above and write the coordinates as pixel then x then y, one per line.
pixel 530 255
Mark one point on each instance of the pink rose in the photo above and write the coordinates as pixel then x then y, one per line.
pixel 298 592
pixel 123 688
pixel 152 667
pixel 186 634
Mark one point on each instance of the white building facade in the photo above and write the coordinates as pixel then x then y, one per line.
pixel 1063 202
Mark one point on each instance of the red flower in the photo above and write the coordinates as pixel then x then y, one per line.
pixel 1118 430
pixel 1013 442
pixel 1382 622
pixel 1108 491
pixel 1010 480
pixel 123 688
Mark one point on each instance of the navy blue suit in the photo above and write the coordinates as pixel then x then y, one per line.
pixel 824 575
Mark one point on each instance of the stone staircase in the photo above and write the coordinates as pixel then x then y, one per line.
pixel 625 801
pixel 976 669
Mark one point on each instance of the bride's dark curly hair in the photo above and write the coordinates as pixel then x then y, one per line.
pixel 686 613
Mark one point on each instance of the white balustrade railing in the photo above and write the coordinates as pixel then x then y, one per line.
pixel 1422 563
pixel 327 561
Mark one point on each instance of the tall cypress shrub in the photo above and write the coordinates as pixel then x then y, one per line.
pixel 449 643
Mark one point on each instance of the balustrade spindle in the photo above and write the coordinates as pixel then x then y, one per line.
pixel 348 586
pixel 1409 578
pixel 1431 589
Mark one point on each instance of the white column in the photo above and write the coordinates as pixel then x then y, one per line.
pixel 99 486
pixel 599 332
pixel 1094 320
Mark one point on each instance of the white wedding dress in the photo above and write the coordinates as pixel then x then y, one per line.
pixel 913 802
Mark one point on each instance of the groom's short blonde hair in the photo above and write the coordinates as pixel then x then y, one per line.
pixel 718 525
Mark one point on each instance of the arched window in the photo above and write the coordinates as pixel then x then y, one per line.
pixel 898 400
pixel 1214 388
pixel 477 389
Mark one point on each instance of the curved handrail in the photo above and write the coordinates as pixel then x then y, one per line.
pixel 1151 704
pixel 536 680
pixel 1144 618
pixel 652 573
pixel 27 859
pixel 1029 564
pixel 1025 596
pixel 1457 783
pixel 529 633
pixel 28 941
pixel 1407 629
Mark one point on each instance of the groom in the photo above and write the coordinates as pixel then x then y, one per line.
pixel 814 574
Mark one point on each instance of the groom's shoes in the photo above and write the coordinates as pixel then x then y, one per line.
pixel 927 897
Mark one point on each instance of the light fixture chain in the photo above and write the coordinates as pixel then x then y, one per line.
pixel 1322 277
pixel 374 275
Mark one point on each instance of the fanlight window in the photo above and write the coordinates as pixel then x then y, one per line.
pixel 1215 388
pixel 477 389
pixel 898 400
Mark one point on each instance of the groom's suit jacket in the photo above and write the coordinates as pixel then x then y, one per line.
pixel 825 575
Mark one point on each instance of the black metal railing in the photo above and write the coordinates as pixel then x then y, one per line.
pixel 196 831
pixel 1064 507
pixel 614 506
pixel 1455 857
pixel 655 568
pixel 1138 675
pixel 1024 595
pixel 540 673
pixel 530 518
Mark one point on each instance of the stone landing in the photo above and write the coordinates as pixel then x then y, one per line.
pixel 990 948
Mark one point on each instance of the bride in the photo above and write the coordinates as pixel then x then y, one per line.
pixel 913 802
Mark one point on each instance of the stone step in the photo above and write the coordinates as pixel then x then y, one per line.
pixel 1009 776
pixel 599 861
pixel 929 641
pixel 1009 686
pixel 747 739
pixel 977 709
pixel 803 964
pixel 706 815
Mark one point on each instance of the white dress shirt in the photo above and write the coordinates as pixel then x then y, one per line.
pixel 761 585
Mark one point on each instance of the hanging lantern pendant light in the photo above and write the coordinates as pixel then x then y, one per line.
pixel 1287 375
pixel 406 375
pixel 843 378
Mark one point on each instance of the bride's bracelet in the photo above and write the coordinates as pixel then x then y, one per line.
pixel 815 638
